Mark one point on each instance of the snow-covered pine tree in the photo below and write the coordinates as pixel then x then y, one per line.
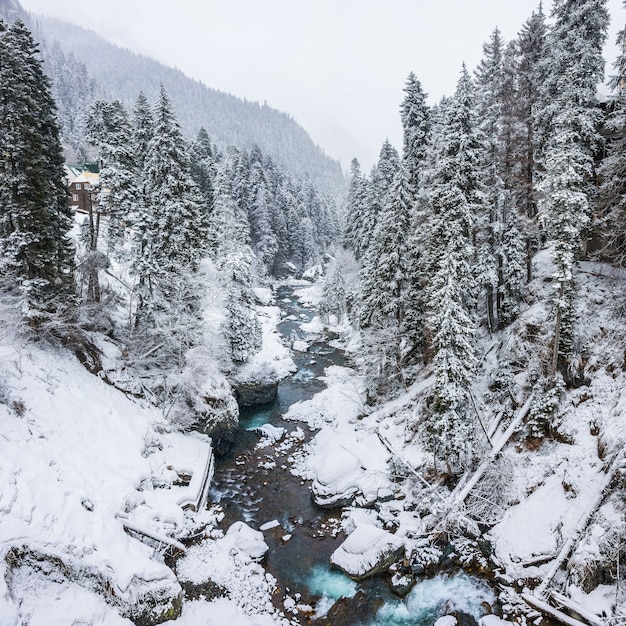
pixel 416 127
pixel 355 209
pixel 203 169
pixel 170 234
pixel 333 302
pixel 415 119
pixel 573 70
pixel 35 251
pixel 381 178
pixel 143 129
pixel 172 194
pixel 524 101
pixel 110 129
pixel 612 170
pixel 233 256
pixel 385 275
pixel 456 197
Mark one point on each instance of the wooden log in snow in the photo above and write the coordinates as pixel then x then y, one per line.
pixel 570 605
pixel 155 536
pixel 543 607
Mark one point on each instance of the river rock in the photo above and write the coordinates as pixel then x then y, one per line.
pixel 401 584
pixel 247 540
pixel 367 551
pixel 271 434
pixel 336 482
pixel 255 392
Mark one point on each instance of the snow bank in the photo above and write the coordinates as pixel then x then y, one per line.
pixel 273 362
pixel 78 455
pixel 230 563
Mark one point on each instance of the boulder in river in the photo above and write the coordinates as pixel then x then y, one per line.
pixel 246 540
pixel 255 392
pixel 367 551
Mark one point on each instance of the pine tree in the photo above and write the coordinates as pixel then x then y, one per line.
pixel 385 268
pixel 172 194
pixel 381 178
pixel 110 130
pixel 35 217
pixel 573 70
pixel 612 171
pixel 456 197
pixel 415 119
pixel 416 126
pixel 233 256
pixel 489 88
pixel 355 209
pixel 385 276
pixel 170 235
pixel 333 300
pixel 143 129
pixel 526 128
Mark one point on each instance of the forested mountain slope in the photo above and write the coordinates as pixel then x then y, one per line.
pixel 84 66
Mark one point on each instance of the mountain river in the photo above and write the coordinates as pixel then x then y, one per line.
pixel 257 487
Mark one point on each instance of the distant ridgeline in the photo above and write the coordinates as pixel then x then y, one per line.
pixel 84 67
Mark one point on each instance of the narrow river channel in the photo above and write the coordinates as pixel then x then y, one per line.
pixel 255 485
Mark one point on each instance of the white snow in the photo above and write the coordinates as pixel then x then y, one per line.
pixel 76 452
pixel 230 562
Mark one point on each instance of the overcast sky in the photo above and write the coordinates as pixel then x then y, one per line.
pixel 337 66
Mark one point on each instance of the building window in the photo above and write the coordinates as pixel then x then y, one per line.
pixel 78 186
pixel 75 197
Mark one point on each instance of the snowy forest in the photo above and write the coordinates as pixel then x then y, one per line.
pixel 227 394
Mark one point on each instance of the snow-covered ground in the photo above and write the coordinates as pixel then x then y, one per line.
pixel 81 460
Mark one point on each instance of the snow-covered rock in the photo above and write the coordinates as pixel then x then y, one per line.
pixel 271 433
pixel 367 551
pixel 346 467
pixel 299 345
pixel 336 482
pixel 246 540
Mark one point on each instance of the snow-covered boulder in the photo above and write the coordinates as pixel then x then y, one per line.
pixel 336 482
pixel 299 345
pixel 367 551
pixel 348 468
pixel 246 540
pixel 446 620
pixel 270 433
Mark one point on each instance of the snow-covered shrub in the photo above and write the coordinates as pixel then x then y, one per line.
pixel 204 399
pixel 424 558
pixel 544 410
pixel 489 499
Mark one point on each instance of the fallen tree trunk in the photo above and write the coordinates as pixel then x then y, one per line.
pixel 545 608
pixel 155 536
pixel 570 605
pixel 463 490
